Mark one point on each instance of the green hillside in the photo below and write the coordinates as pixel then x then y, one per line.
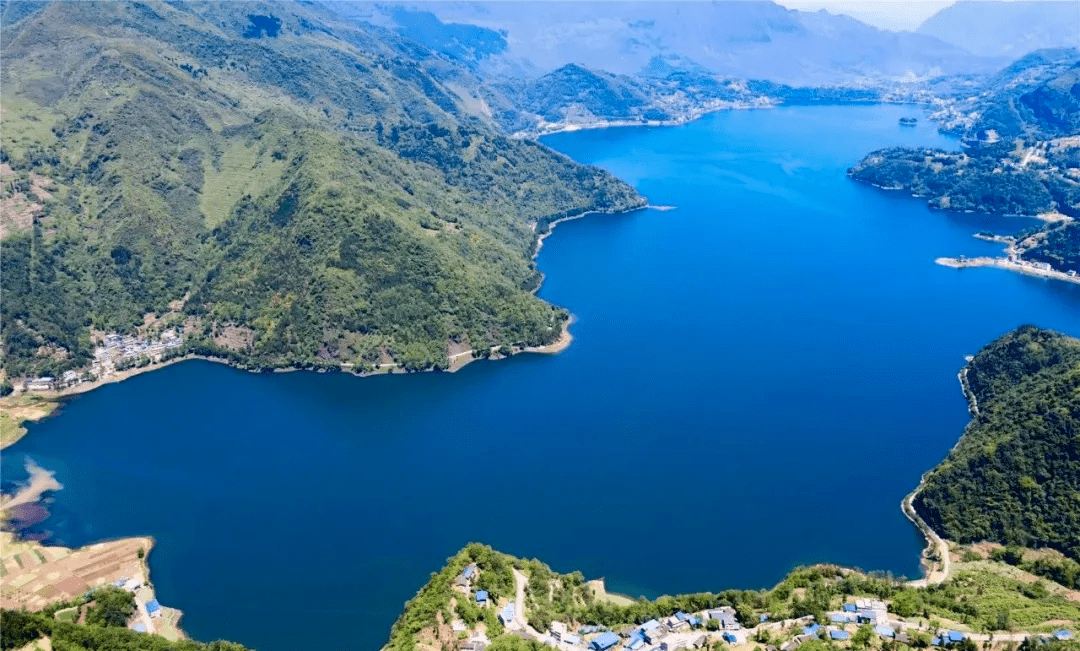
pixel 1014 478
pixel 1021 154
pixel 267 170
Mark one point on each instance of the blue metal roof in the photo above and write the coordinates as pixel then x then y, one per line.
pixel 650 625
pixel 763 618
pixel 637 636
pixel 681 616
pixel 695 621
pixel 884 631
pixel 850 608
pixel 838 617
pixel 635 643
pixel 839 635
pixel 936 641
pixel 468 571
pixel 810 630
pixel 604 641
pixel 140 627
pixel 730 637
pixel 956 636
pixel 481 595
pixel 1062 634
pixel 153 606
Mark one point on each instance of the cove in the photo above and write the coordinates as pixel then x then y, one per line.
pixel 757 379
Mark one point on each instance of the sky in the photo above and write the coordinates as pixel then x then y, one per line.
pixel 896 15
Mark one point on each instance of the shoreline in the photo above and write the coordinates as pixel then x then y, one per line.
pixel 537 133
pixel 50 401
pixel 38 574
pixel 1008 265
pixel 935 542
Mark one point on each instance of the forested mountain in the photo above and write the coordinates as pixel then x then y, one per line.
pixel 994 28
pixel 1021 153
pixel 750 40
pixel 1014 477
pixel 294 189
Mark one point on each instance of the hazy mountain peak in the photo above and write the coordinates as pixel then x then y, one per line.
pixel 995 28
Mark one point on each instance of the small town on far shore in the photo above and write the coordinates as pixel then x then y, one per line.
pixel 115 352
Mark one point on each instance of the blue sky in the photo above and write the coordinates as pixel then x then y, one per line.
pixel 884 14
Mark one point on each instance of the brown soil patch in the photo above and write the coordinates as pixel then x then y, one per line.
pixel 235 337
pixel 68 574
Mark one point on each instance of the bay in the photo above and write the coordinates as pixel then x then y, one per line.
pixel 757 379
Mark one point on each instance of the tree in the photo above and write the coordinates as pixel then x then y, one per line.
pixel 862 636
pixel 112 607
pixel 905 604
pixel 6 388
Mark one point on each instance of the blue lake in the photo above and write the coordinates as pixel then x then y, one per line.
pixel 757 379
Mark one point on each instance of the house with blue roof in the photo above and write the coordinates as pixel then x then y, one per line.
pixel 695 621
pixel 850 608
pixel 635 643
pixel 681 616
pixel 840 618
pixel 811 630
pixel 506 615
pixel 140 628
pixel 649 625
pixel 482 597
pixel 955 636
pixel 604 641
pixel 884 631
pixel 838 635
pixel 763 618
pixel 1062 634
pixel 571 639
pixel 154 608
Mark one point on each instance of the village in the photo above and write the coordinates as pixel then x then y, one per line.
pixel 115 352
pixel 719 627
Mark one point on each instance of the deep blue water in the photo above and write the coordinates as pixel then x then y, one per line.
pixel 757 379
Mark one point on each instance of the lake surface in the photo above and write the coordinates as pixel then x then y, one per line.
pixel 757 379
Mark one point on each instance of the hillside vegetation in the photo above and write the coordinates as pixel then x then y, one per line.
pixel 1015 475
pixel 1021 132
pixel 270 169
pixel 982 595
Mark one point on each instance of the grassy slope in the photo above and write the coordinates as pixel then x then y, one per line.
pixel 319 188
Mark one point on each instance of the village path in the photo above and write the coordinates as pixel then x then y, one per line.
pixel 519 601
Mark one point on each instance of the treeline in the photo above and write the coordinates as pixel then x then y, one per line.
pixel 1015 474
pixel 975 180
pixel 107 614
pixel 434 599
pixel 1063 571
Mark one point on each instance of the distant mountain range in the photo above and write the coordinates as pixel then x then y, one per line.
pixel 751 39
pixel 993 28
